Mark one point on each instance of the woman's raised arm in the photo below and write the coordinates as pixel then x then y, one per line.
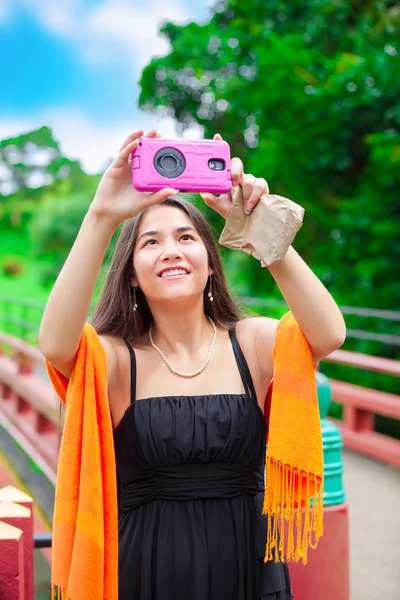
pixel 69 301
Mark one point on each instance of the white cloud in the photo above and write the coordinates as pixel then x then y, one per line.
pixel 60 17
pixel 112 27
pixel 5 172
pixel 38 157
pixel 8 187
pixel 93 144
pixel 4 10
pixel 37 178
pixel 136 29
pixel 112 30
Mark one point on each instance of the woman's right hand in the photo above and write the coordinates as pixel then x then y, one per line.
pixel 116 199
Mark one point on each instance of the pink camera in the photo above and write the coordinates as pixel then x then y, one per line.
pixel 188 166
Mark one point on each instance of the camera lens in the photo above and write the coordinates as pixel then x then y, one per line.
pixel 169 162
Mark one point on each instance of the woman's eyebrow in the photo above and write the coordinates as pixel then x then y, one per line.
pixel 178 230
pixel 185 228
pixel 148 233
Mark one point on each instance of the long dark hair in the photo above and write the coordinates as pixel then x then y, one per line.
pixel 114 314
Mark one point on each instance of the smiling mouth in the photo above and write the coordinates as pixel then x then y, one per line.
pixel 173 273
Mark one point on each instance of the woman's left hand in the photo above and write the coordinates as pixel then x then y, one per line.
pixel 253 188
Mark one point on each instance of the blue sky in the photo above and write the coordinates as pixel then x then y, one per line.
pixel 74 65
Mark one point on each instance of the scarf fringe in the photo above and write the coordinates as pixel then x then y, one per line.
pixel 294 506
pixel 58 592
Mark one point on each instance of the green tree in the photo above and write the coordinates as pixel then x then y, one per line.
pixel 53 230
pixel 305 93
pixel 28 163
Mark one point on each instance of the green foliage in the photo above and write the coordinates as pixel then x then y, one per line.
pixel 53 230
pixel 20 155
pixel 305 93
pixel 51 199
pixel 31 168
pixel 12 266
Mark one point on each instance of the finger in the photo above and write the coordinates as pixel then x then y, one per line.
pixel 217 137
pixel 259 189
pixel 209 199
pixel 136 135
pixel 248 184
pixel 123 156
pixel 151 134
pixel 236 171
pixel 158 197
pixel 221 204
pixel 131 138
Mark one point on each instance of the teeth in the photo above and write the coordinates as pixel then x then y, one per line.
pixel 173 272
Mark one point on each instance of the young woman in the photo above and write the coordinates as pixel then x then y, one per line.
pixel 187 381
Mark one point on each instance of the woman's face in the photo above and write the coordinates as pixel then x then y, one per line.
pixel 170 259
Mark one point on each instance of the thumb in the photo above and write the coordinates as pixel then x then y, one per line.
pixel 209 199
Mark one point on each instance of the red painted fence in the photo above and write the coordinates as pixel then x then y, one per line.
pixel 360 404
pixel 16 545
pixel 29 412
pixel 29 406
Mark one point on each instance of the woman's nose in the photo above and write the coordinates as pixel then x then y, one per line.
pixel 171 250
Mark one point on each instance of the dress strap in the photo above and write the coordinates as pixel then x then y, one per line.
pixel 242 365
pixel 133 371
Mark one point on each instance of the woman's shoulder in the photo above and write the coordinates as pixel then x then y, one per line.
pixel 256 336
pixel 110 344
pixel 115 343
pixel 117 354
pixel 256 326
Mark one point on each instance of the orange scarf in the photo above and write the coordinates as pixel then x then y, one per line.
pixel 293 497
pixel 85 533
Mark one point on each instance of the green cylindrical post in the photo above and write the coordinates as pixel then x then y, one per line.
pixel 332 445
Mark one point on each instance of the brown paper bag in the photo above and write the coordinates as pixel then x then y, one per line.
pixel 267 232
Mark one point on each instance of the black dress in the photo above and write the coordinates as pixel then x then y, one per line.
pixel 190 492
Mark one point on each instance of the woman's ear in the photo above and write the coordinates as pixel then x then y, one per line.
pixel 133 282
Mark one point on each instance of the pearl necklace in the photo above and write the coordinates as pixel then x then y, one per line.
pixel 180 373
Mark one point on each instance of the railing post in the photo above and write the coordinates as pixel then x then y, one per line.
pixel 24 319
pixel 11 562
pixel 358 420
pixel 16 509
pixel 25 364
pixel 327 573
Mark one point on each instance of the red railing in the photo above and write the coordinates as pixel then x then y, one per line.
pixel 28 404
pixel 361 404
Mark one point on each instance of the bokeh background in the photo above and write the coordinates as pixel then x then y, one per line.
pixel 306 92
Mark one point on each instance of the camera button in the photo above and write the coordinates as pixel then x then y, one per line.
pixel 136 162
pixel 229 174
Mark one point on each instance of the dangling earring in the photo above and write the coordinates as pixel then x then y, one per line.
pixel 210 290
pixel 134 299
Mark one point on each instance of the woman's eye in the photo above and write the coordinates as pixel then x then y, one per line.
pixel 150 242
